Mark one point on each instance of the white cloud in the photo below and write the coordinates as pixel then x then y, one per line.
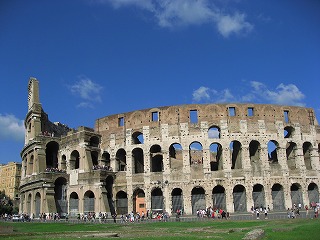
pixel 11 128
pixel 174 13
pixel 88 90
pixel 257 92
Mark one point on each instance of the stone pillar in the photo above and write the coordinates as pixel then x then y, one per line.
pixel 187 203
pixel 229 199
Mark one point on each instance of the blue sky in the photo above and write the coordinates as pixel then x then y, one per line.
pixel 95 58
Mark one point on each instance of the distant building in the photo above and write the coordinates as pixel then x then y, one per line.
pixel 10 175
pixel 231 156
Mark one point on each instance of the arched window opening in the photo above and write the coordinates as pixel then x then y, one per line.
pixel 52 155
pixel 296 194
pixel 63 162
pixel 88 202
pixel 195 153
pixel 139 204
pixel 156 158
pixel 216 162
pixel 29 204
pixel 73 204
pixel 177 200
pixel 137 138
pixel 122 202
pixel 214 132
pixel 176 157
pixel 157 200
pixel 105 159
pixel 307 151
pixel 219 197
pixel 121 158
pixel 288 132
pixel 236 152
pixel 94 158
pixel 30 165
pixel 291 149
pixel 94 141
pixel 138 160
pixel 239 198
pixel 258 196
pixel 273 152
pixel 277 197
pixel 74 160
pixel 254 153
pixel 198 199
pixel 60 196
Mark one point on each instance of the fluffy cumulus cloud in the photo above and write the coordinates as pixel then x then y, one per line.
pixel 257 92
pixel 88 91
pixel 11 128
pixel 174 13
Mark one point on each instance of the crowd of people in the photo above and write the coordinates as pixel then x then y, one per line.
pixel 55 170
pixel 213 213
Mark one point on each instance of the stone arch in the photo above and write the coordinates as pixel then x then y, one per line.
pixel 198 199
pixel 105 159
pixel 94 158
pixel 157 199
pixel 52 154
pixel 219 197
pixel 273 147
pixel 37 204
pixel 109 187
pixel 30 165
pixel 121 159
pixel 254 154
pixel 137 138
pixel 307 153
pixel 176 199
pixel 278 197
pixel 176 156
pixel 291 153
pixel 288 132
pixel 29 203
pixel 60 195
pixel 236 154
pixel 239 198
pixel 63 162
pixel 156 158
pixel 88 202
pixel 214 132
pixel 258 196
pixel 216 157
pixel 122 202
pixel 74 160
pixel 139 204
pixel 138 160
pixel 296 194
pixel 313 193
pixel 73 204
pixel 195 153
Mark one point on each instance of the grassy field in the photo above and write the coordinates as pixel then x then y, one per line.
pixel 274 229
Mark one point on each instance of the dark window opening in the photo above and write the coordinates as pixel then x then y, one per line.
pixel 232 111
pixel 121 121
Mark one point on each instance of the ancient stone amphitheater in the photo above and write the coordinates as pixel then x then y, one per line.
pixel 189 157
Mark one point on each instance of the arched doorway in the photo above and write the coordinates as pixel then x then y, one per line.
pixel 109 187
pixel 37 205
pixel 157 200
pixel 258 196
pixel 198 199
pixel 239 198
pixel 139 204
pixel 60 196
pixel 88 202
pixel 296 194
pixel 219 197
pixel 73 204
pixel 313 193
pixel 122 202
pixel 177 199
pixel 277 197
pixel 52 155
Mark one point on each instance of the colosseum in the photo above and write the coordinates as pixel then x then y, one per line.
pixel 189 157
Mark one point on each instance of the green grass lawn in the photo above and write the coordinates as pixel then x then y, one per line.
pixel 274 229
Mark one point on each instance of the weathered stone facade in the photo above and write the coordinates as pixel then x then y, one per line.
pixel 232 156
